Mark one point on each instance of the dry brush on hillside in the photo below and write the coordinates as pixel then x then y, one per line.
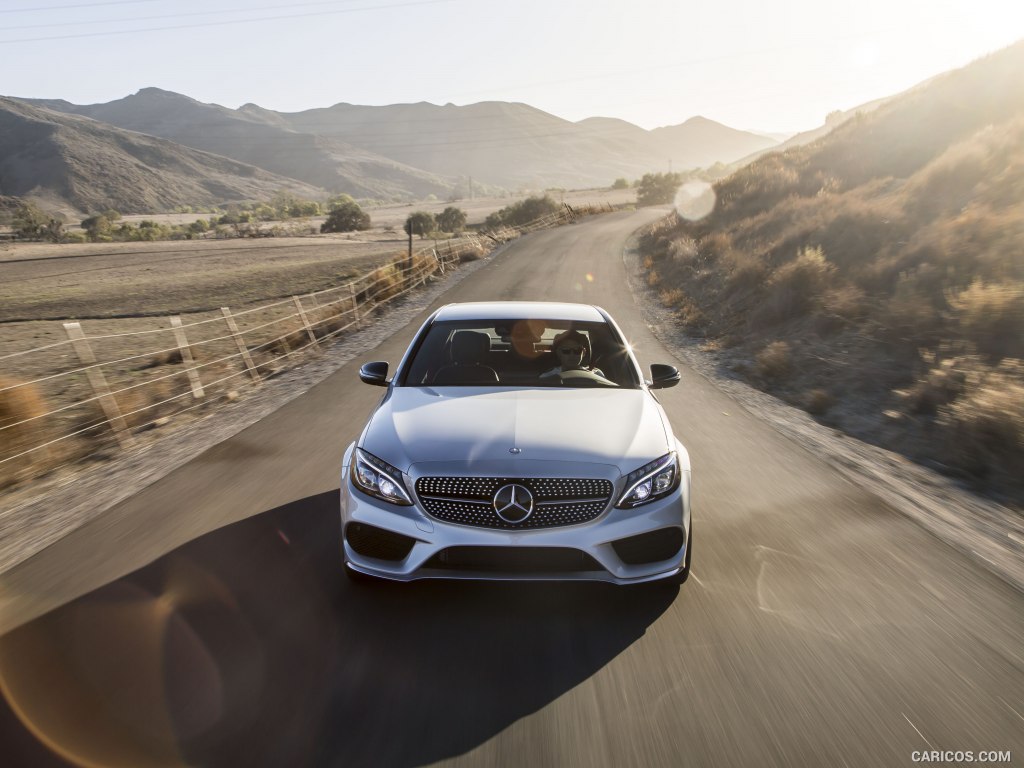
pixel 876 278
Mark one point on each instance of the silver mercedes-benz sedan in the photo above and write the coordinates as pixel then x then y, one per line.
pixel 517 440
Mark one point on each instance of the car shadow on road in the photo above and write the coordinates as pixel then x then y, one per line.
pixel 249 647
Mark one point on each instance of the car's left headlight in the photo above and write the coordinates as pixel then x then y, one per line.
pixel 651 481
pixel 378 479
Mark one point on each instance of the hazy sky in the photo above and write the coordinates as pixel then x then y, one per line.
pixel 753 64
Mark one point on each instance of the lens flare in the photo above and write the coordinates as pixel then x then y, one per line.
pixel 695 200
pixel 590 278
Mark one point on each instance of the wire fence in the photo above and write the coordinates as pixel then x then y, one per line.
pixel 110 387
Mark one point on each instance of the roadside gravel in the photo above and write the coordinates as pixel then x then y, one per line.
pixel 987 532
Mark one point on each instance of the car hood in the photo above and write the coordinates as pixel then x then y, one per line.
pixel 471 426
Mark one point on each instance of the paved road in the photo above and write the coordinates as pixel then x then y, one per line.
pixel 212 625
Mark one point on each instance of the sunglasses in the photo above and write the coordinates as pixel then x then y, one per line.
pixel 569 350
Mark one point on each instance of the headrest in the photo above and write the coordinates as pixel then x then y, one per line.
pixel 470 346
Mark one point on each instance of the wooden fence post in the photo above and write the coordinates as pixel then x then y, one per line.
pixel 305 320
pixel 99 383
pixel 355 303
pixel 186 357
pixel 233 327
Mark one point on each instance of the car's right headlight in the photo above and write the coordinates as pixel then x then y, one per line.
pixel 379 479
pixel 650 482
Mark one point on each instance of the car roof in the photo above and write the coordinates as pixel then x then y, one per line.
pixel 505 310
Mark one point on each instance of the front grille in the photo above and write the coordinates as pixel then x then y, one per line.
pixel 652 547
pixel 519 560
pixel 370 541
pixel 557 501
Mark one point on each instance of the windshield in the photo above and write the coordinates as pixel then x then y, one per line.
pixel 520 352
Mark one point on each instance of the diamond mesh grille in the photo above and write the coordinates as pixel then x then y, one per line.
pixel 557 501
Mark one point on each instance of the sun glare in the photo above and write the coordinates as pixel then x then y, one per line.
pixel 695 200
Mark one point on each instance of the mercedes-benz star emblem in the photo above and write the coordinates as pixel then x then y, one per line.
pixel 513 503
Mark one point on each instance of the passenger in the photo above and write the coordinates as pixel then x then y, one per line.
pixel 572 353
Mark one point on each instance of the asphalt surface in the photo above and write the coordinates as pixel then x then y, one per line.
pixel 206 620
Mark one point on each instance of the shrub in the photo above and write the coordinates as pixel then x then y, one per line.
pixel 523 212
pixel 992 317
pixel 818 401
pixel 984 429
pixel 346 217
pixel 420 223
pixel 909 317
pixel 940 386
pixel 451 219
pixel 774 362
pixel 796 287
pixel 17 405
pixel 386 282
pixel 658 188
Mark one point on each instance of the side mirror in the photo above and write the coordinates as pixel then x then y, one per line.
pixel 375 373
pixel 663 376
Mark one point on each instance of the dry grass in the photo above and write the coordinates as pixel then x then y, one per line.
pixel 795 288
pixel 818 401
pixel 991 315
pixel 775 362
pixel 890 254
pixel 983 429
pixel 18 405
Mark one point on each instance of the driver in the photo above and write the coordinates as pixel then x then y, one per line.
pixel 572 350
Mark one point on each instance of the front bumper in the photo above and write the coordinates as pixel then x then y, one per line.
pixel 405 544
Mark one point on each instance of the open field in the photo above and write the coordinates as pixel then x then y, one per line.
pixel 127 296
pixel 107 280
pixel 391 216
pixel 124 295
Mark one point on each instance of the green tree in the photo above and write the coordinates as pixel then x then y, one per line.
pixel 335 201
pixel 620 183
pixel 264 212
pixel 658 188
pixel 97 227
pixel 346 217
pixel 29 221
pixel 54 230
pixel 282 203
pixel 451 219
pixel 420 223
pixel 523 212
pixel 302 208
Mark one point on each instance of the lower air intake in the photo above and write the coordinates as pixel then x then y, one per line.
pixel 650 547
pixel 519 560
pixel 369 541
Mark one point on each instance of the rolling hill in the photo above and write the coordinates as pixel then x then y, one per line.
pixel 255 137
pixel 875 276
pixel 79 165
pixel 412 150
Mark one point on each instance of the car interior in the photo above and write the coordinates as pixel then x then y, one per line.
pixel 516 353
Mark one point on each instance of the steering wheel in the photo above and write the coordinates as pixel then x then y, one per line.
pixel 584 378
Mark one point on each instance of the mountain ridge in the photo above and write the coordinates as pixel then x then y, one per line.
pixel 411 151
